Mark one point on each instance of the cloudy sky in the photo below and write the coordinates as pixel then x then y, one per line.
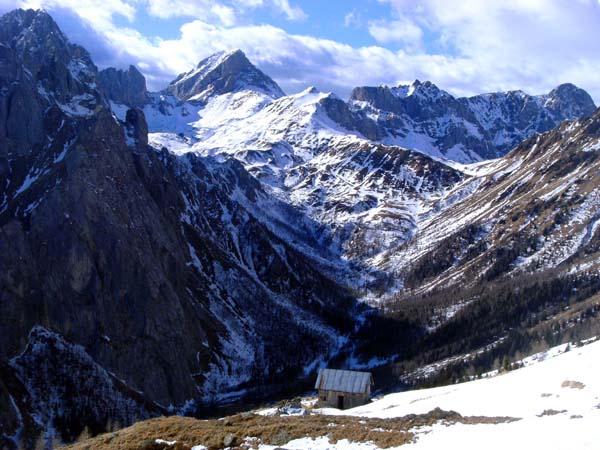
pixel 464 46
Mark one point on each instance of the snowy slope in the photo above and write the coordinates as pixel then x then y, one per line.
pixel 371 196
pixel 557 402
pixel 363 197
pixel 268 136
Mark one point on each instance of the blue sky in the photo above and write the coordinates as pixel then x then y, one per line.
pixel 465 47
pixel 323 20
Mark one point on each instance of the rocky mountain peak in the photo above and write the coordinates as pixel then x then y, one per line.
pixel 222 73
pixel 426 89
pixel 51 66
pixel 567 101
pixel 124 86
pixel 19 20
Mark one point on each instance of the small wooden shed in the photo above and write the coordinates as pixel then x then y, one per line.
pixel 344 388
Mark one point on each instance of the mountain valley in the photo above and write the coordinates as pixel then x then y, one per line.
pixel 162 252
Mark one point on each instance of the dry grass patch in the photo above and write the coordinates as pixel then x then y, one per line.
pixel 551 412
pixel 273 430
pixel 572 384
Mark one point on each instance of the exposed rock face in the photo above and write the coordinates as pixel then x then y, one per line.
pixel 136 127
pixel 219 74
pixel 61 70
pixel 423 117
pixel 340 113
pixel 124 86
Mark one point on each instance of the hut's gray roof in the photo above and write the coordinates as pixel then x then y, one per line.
pixel 343 381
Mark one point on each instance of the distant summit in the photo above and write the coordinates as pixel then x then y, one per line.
pixel 468 129
pixel 569 101
pixel 222 73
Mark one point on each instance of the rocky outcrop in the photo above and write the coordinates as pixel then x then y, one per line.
pixel 340 113
pixel 56 390
pixel 127 87
pixel 222 73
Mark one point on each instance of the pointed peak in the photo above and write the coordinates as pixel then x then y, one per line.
pixel 236 54
pixel 28 14
pixel 221 73
pixel 222 57
pixel 565 87
pixel 133 69
pixel 424 85
pixel 37 20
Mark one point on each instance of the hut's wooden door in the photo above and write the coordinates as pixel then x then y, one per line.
pixel 340 402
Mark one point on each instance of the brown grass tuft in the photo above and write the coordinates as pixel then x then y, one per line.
pixel 274 430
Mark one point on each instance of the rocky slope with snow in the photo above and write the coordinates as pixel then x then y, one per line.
pixel 54 390
pixel 222 73
pixel 423 117
pixel 537 206
pixel 506 259
pixel 310 148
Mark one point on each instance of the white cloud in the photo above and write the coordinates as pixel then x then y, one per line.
pixel 291 12
pixel 165 9
pixel 532 44
pixel 99 11
pixel 226 14
pixel 208 10
pixel 477 46
pixel 401 30
pixel 354 19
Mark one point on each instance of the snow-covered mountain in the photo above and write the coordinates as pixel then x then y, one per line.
pixel 540 201
pixel 423 117
pixel 298 148
pixel 222 73
pixel 377 206
pixel 297 144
